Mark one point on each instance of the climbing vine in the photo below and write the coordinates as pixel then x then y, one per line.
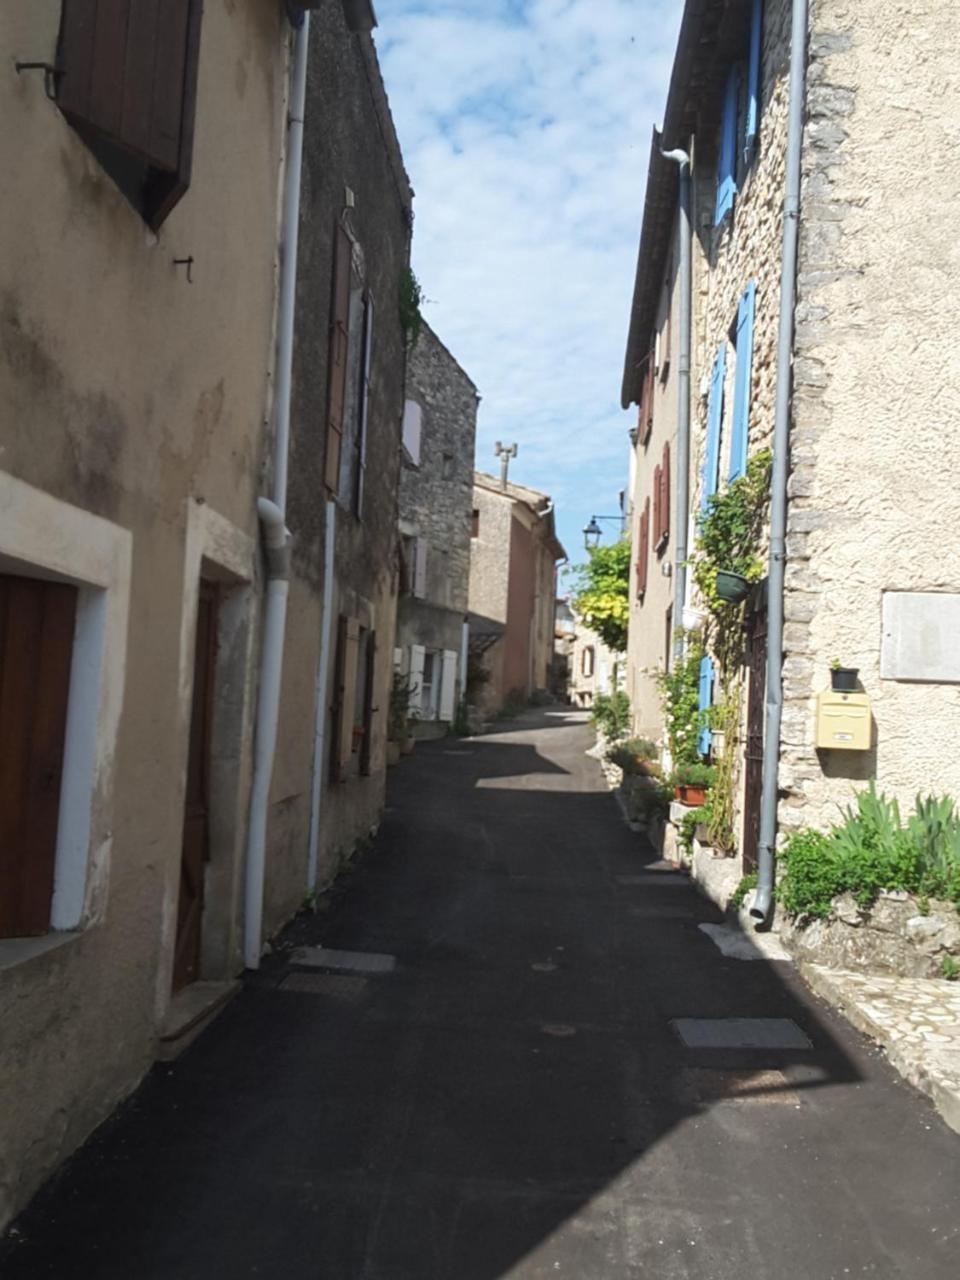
pixel 680 693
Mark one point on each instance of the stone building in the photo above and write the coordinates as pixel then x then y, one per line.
pixel 870 424
pixel 594 669
pixel 513 577
pixel 137 311
pixel 436 505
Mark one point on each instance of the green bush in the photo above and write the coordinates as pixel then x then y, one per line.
pixel 873 849
pixel 611 714
pixel 739 895
pixel 636 755
pixel 694 775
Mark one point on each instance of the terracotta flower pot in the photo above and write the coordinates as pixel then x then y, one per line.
pixel 693 797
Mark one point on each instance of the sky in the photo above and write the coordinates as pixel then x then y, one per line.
pixel 525 127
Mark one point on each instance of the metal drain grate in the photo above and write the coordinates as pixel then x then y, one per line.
pixel 740 1033
pixel 338 987
pixel 343 961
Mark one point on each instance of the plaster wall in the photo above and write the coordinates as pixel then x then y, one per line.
pixel 876 414
pixel 124 392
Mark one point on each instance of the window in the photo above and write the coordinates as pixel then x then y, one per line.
pixel 412 424
pixel 663 532
pixel 338 355
pixel 645 421
pixel 587 660
pixel 475 523
pixel 740 121
pixel 37 621
pixel 743 348
pixel 643 550
pixel 128 86
pixel 704 702
pixel 448 466
pixel 420 567
pixel 363 407
pixel 711 461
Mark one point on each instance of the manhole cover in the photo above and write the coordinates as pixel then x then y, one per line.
pixel 325 984
pixel 343 961
pixel 740 1033
pixel 702 1086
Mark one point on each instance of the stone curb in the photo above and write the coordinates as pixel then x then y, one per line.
pixel 919 1068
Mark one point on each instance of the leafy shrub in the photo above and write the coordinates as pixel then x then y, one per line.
pixel 611 714
pixel 694 775
pixel 872 849
pixel 728 533
pixel 636 755
pixel 680 692
pixel 739 896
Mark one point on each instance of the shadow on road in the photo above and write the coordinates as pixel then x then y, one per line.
pixel 515 1099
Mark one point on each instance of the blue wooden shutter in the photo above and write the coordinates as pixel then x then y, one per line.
pixel 740 437
pixel 711 464
pixel 727 172
pixel 705 701
pixel 753 84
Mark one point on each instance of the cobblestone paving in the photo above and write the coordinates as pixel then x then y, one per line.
pixel 917 1020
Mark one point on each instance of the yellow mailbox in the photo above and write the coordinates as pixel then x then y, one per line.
pixel 843 721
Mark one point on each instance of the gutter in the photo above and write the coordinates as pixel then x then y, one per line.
pixel 273 520
pixel 682 506
pixel 766 855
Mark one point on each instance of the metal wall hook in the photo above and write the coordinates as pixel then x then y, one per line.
pixel 51 74
pixel 188 263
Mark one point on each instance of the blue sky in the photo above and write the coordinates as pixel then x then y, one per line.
pixel 525 127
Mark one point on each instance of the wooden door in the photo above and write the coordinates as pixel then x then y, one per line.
pixel 753 750
pixel 195 852
pixel 36 650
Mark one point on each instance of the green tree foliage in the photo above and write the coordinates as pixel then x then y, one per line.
pixel 602 596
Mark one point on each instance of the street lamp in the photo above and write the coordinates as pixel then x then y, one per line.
pixel 592 531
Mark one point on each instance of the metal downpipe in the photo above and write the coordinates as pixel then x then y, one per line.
pixel 766 855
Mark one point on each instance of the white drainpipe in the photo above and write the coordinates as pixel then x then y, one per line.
pixel 273 519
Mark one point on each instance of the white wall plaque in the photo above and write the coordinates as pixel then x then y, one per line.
pixel 921 636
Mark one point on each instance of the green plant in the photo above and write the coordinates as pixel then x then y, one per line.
pixel 461 720
pixel 694 775
pixel 411 300
pixel 635 755
pixel 513 704
pixel 398 713
pixel 602 593
pixel 873 849
pixel 680 693
pixel 747 884
pixel 726 719
pixel 834 664
pixel 950 968
pixel 610 714
pixel 729 531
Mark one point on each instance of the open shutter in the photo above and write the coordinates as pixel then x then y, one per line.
pixel 420 568
pixel 740 435
pixel 366 750
pixel 711 462
pixel 645 420
pixel 337 360
pixel 448 686
pixel 643 551
pixel 365 362
pixel 337 701
pixel 752 124
pixel 657 500
pixel 418 656
pixel 727 169
pixel 705 701
pixel 349 693
pixel 665 495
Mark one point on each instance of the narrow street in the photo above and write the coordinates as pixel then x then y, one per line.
pixel 512 1099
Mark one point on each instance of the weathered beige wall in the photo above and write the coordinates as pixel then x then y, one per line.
pixel 490 555
pixel 876 429
pixel 647 645
pixel 124 390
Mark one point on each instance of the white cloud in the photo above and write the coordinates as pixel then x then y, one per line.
pixel 525 126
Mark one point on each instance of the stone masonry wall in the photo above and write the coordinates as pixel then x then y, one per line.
pixel 876 423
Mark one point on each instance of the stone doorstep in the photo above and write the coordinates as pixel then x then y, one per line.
pixel 934 1071
pixel 191 1011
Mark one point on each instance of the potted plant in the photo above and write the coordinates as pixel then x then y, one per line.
pixel 398 718
pixel 693 619
pixel 843 679
pixel 732 587
pixel 692 782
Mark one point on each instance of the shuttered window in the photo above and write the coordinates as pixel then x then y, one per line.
pixel 338 354
pixel 704 702
pixel 128 84
pixel 740 430
pixel 366 355
pixel 663 533
pixel 711 461
pixel 645 420
pixel 369 710
pixel 752 122
pixel 643 550
pixel 36 648
pixel 727 167
pixel 657 500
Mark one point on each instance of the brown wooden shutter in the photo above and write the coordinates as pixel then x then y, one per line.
pixel 645 423
pixel 643 551
pixel 337 361
pixel 657 500
pixel 125 66
pixel 665 497
pixel 36 649
pixel 337 716
pixel 366 357
pixel 366 750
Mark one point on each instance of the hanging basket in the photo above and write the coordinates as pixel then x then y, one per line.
pixel 732 587
pixel 693 619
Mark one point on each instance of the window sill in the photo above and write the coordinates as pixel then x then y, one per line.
pixel 15 952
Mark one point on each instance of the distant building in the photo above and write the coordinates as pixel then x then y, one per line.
pixel 436 521
pixel 513 576
pixel 593 667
